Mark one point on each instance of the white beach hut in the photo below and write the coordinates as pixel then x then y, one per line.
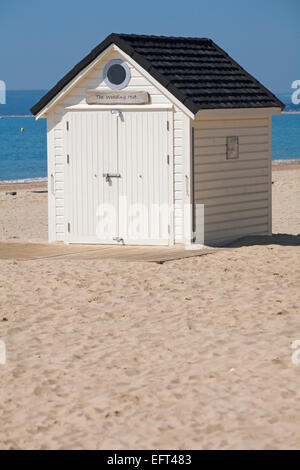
pixel 158 140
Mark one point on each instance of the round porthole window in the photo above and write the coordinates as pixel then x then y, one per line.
pixel 116 74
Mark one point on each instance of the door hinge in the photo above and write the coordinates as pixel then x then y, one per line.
pixel 69 227
pixel 68 159
pixel 67 125
pixel 168 125
pixel 168 159
pixel 169 230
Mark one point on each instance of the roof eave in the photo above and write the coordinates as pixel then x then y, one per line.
pixel 234 113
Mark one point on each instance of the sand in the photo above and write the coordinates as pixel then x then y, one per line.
pixel 24 216
pixel 190 354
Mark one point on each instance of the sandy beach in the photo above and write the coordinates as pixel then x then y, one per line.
pixel 189 354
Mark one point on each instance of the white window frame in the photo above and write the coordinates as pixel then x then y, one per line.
pixel 125 82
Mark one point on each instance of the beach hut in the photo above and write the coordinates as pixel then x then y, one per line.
pixel 155 141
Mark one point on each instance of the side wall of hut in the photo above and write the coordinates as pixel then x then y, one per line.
pixel 236 193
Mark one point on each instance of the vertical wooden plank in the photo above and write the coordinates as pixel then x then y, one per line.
pixel 171 175
pixel 187 222
pixel 145 159
pixel 143 149
pixel 270 177
pixel 68 202
pixel 193 182
pixel 51 170
pixel 90 178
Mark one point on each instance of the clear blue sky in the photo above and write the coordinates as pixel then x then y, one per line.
pixel 41 40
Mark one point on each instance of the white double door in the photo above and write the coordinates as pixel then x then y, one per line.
pixel 117 177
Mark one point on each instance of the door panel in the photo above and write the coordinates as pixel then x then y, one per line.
pixel 133 208
pixel 143 165
pixel 92 201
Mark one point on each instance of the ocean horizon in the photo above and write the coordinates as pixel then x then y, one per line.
pixel 23 153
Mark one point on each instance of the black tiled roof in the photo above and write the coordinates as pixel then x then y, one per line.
pixel 195 70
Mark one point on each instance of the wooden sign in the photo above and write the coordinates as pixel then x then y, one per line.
pixel 116 97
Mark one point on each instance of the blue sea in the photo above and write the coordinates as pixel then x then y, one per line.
pixel 23 155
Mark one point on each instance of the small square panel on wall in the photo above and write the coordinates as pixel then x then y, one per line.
pixel 232 148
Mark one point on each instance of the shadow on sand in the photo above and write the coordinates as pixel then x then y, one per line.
pixel 283 239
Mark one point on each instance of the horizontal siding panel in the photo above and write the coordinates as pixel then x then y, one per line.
pixel 159 99
pixel 59 168
pixel 59 211
pixel 178 194
pixel 58 143
pixel 178 177
pixel 97 72
pixel 235 207
pixel 59 220
pixel 233 217
pixel 229 165
pixel 59 194
pixel 231 123
pixel 178 142
pixel 178 168
pixel 233 224
pixel 231 182
pixel 178 133
pixel 229 174
pixel 230 191
pixel 178 222
pixel 59 202
pixel 235 233
pixel 223 132
pixel 71 100
pixel 178 213
pixel 178 123
pixel 220 203
pixel 58 133
pixel 59 177
pixel 178 151
pixel 244 156
pixel 216 141
pixel 60 228
pixel 59 185
pixel 136 83
pixel 222 149
pixel 178 160
pixel 178 186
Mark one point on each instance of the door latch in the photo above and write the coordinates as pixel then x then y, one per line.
pixel 119 240
pixel 116 111
pixel 107 176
